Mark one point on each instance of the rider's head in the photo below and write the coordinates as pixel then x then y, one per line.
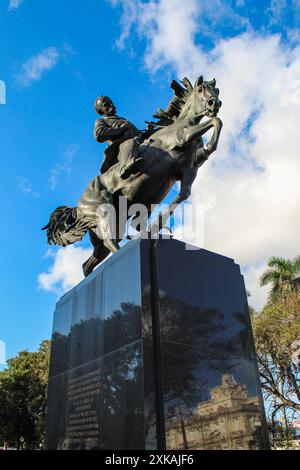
pixel 104 105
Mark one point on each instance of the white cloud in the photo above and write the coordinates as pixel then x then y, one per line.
pixel 250 186
pixel 129 17
pixel 170 35
pixel 283 11
pixel 14 4
pixel 66 270
pixel 26 188
pixel 63 168
pixel 170 27
pixel 36 66
pixel 278 9
pixel 2 353
pixel 258 295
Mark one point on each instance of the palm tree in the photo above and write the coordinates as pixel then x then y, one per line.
pixel 283 275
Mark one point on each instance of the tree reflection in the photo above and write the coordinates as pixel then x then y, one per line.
pixel 196 353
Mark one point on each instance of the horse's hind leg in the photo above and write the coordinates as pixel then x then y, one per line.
pixel 99 254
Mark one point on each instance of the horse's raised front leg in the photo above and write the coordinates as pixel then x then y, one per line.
pixel 213 143
pixel 198 130
pixel 189 173
pixel 202 152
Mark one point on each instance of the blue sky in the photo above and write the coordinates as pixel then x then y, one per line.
pixel 38 124
pixel 57 56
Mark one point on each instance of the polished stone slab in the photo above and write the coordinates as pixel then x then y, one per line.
pixel 118 380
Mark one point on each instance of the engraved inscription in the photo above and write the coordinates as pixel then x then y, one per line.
pixel 84 402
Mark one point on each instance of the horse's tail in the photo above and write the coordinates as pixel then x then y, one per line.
pixel 66 226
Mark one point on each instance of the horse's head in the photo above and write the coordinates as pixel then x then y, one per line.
pixel 190 101
pixel 202 99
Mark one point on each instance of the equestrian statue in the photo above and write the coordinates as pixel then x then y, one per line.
pixel 141 166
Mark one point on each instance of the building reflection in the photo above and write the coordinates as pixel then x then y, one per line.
pixel 229 420
pixel 102 388
pixel 198 415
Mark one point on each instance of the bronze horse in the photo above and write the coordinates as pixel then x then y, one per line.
pixel 173 151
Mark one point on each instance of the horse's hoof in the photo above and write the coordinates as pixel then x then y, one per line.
pixel 111 245
pixel 86 270
pixel 88 266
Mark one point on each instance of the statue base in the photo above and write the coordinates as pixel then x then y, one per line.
pixel 154 350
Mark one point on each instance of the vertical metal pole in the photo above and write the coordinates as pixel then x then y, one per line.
pixel 157 357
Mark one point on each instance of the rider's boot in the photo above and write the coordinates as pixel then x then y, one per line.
pixel 135 163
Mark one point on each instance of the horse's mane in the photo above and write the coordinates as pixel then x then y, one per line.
pixel 181 94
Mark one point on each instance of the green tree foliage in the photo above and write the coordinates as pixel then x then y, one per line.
pixel 23 391
pixel 277 334
pixel 283 275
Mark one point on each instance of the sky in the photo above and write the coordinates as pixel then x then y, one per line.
pixel 57 56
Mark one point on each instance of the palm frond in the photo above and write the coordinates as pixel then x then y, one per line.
pixel 279 263
pixel 296 265
pixel 270 276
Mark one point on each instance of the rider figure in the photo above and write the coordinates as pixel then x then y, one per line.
pixel 115 130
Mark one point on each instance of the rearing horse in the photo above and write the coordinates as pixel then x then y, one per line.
pixel 173 152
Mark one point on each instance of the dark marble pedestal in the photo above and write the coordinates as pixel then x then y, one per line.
pixel 154 350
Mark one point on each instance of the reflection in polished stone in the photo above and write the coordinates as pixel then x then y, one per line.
pixel 229 420
pixel 103 383
pixel 202 299
pixel 122 401
pixel 95 398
